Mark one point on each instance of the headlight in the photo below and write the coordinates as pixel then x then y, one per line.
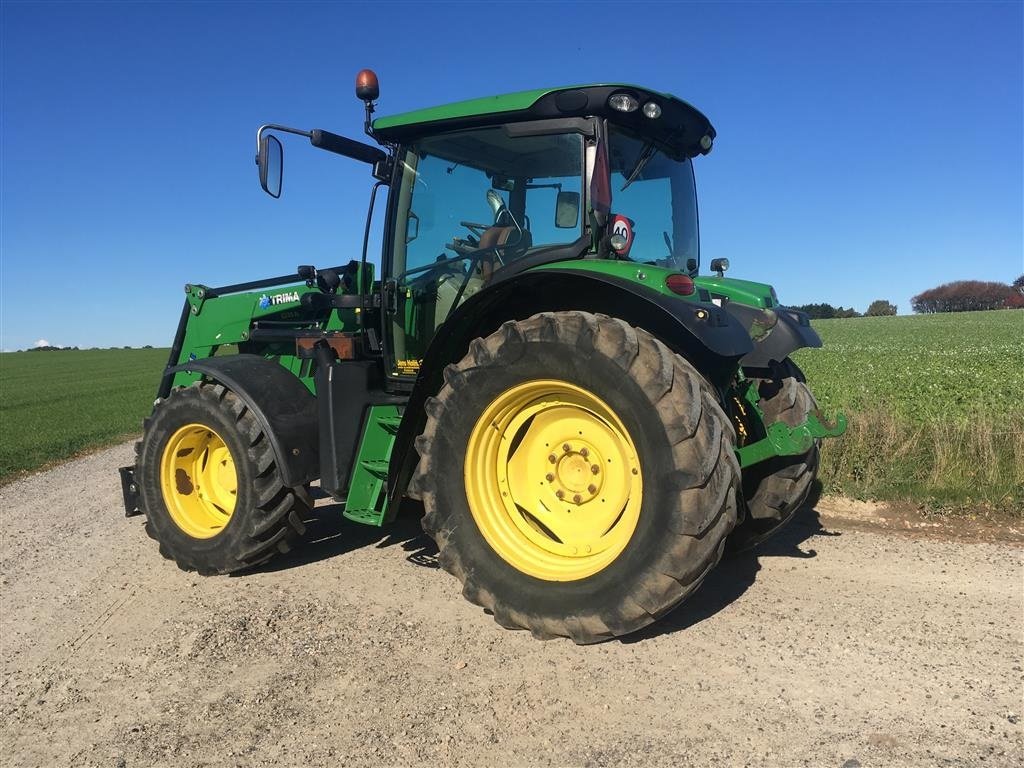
pixel 623 102
pixel 652 110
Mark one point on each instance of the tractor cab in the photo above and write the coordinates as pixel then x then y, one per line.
pixel 599 172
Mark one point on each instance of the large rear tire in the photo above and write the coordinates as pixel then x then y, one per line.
pixel 578 477
pixel 209 484
pixel 775 489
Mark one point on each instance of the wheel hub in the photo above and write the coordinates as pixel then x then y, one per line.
pixel 553 480
pixel 578 475
pixel 198 481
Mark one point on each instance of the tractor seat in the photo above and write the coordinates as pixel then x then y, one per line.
pixel 500 237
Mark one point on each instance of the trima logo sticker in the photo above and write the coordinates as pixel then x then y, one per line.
pixel 278 298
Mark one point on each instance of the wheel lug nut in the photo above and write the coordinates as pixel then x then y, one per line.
pixel 591 488
pixel 584 452
pixel 594 469
pixel 552 458
pixel 577 498
pixel 560 494
pixel 566 448
pixel 549 477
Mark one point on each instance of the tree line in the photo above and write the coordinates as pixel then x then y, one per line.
pixel 52 348
pixel 824 311
pixel 958 296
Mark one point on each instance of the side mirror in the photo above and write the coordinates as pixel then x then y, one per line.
pixel 271 164
pixel 567 210
pixel 719 266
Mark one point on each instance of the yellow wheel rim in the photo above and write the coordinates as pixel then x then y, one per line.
pixel 198 481
pixel 553 480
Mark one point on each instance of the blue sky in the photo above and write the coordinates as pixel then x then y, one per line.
pixel 865 150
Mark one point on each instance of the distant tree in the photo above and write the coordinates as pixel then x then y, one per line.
pixel 147 346
pixel 964 296
pixel 818 311
pixel 46 348
pixel 126 347
pixel 1019 285
pixel 827 311
pixel 880 308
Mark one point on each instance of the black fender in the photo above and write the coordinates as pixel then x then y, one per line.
pixel 776 333
pixel 284 408
pixel 710 338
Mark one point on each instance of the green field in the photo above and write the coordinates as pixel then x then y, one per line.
pixel 56 404
pixel 936 406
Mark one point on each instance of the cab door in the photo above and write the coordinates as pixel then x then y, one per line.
pixel 441 212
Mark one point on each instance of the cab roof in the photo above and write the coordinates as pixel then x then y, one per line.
pixel 681 130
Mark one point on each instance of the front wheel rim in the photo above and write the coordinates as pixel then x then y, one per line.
pixel 199 481
pixel 553 480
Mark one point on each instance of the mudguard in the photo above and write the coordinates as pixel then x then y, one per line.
pixel 284 408
pixel 775 333
pixel 710 338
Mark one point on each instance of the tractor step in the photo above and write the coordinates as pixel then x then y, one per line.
pixel 390 423
pixel 374 467
pixel 367 500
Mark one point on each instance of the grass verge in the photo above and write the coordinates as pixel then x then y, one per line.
pixel 948 467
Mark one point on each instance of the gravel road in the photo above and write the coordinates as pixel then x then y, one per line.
pixel 831 646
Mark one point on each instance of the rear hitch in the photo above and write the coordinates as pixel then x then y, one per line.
pixel 784 440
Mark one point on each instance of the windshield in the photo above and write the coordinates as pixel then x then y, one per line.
pixel 654 204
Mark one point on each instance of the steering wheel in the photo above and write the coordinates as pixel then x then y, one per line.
pixel 466 246
pixel 498 207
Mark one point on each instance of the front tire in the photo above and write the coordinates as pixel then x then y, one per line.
pixel 775 489
pixel 209 483
pixel 507 476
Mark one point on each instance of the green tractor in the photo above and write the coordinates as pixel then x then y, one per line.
pixel 586 421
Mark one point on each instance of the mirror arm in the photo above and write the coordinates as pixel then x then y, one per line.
pixel 332 142
pixel 273 127
pixel 340 145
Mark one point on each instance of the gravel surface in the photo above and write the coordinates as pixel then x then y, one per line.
pixel 830 646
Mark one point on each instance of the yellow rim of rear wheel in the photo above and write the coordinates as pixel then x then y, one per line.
pixel 553 480
pixel 198 481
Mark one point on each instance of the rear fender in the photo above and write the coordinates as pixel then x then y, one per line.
pixel 710 338
pixel 281 403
